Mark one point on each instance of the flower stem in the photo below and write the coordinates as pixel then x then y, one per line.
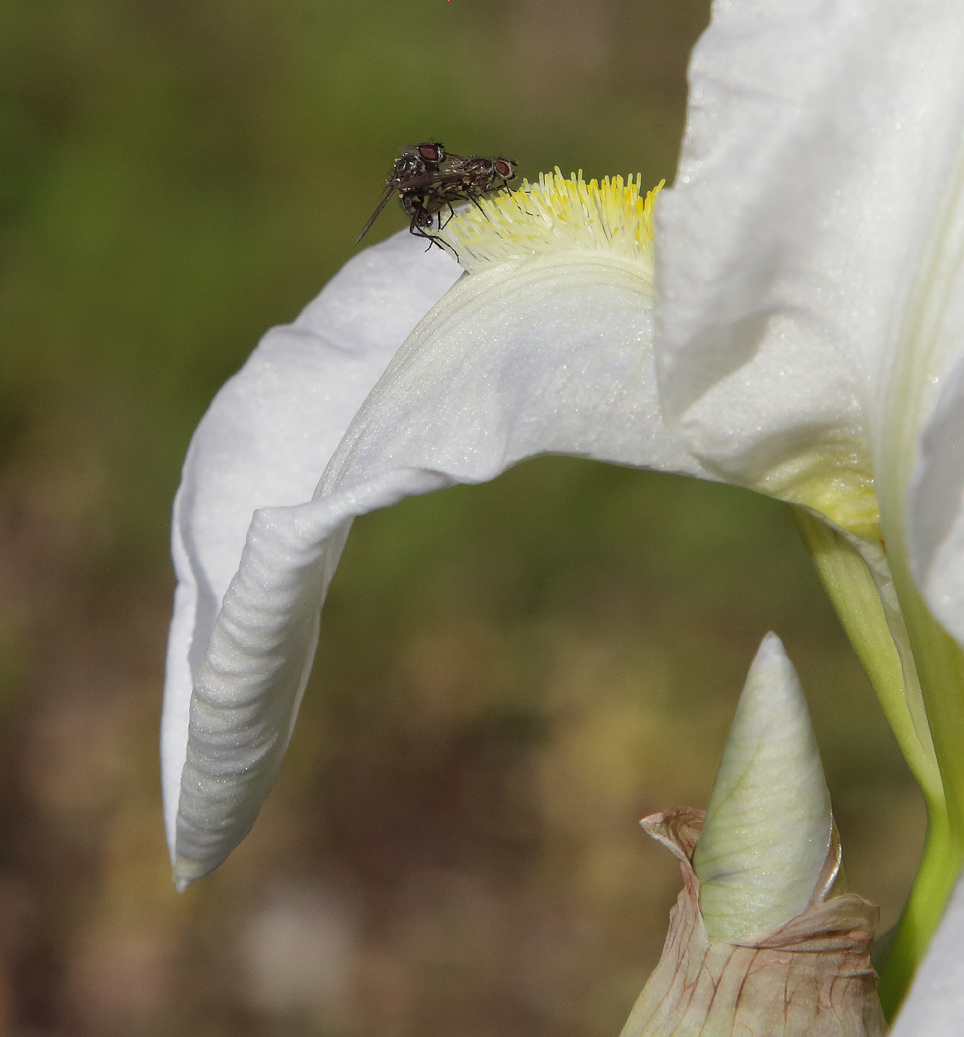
pixel 938 869
pixel 917 672
pixel 883 651
pixel 941 667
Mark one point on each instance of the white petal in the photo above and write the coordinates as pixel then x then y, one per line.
pixel 935 521
pixel 768 825
pixel 536 356
pixel 935 1004
pixel 267 437
pixel 819 142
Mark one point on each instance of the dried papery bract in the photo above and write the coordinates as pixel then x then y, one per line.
pixel 811 977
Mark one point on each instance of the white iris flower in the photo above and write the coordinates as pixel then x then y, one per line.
pixel 810 346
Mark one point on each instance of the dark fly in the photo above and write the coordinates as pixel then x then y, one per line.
pixel 429 180
pixel 414 164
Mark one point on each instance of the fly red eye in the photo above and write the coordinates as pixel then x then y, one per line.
pixel 431 151
pixel 505 168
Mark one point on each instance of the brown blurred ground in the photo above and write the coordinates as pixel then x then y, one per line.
pixel 510 676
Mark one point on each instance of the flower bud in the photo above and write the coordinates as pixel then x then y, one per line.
pixel 759 942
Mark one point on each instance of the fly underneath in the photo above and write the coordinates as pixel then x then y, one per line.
pixel 429 181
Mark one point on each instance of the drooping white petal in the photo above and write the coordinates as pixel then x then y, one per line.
pixel 267 437
pixel 768 826
pixel 935 1004
pixel 820 144
pixel 536 356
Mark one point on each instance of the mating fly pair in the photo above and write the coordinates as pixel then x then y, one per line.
pixel 429 180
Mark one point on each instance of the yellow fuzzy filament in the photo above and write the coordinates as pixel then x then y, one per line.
pixel 557 214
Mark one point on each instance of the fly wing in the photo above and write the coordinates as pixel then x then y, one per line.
pixel 453 162
pixel 425 182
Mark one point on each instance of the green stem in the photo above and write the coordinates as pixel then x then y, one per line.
pixel 940 664
pixel 940 667
pixel 920 692
pixel 939 866
pixel 855 595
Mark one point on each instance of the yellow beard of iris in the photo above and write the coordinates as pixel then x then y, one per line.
pixel 557 214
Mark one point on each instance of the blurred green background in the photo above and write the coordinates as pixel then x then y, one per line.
pixel 509 677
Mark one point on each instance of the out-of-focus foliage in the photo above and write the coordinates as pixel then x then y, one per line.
pixel 509 675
